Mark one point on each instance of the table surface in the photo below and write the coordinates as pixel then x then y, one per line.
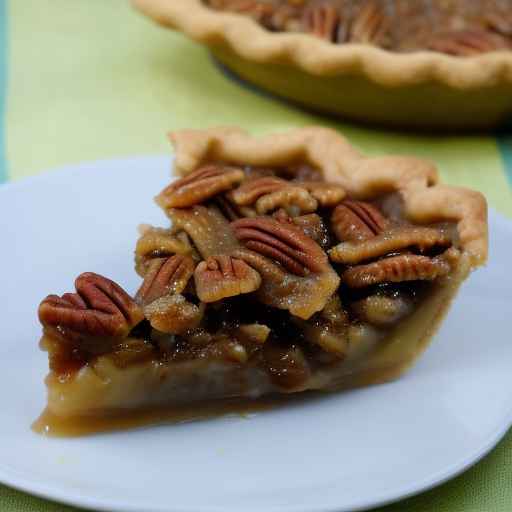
pixel 91 79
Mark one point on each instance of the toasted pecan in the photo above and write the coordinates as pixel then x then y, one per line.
pixel 395 269
pixel 394 240
pixel 199 186
pixel 283 243
pixel 165 276
pixel 270 193
pixel 99 307
pixel 357 220
pixel 224 276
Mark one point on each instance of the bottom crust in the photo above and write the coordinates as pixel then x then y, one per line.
pixel 103 396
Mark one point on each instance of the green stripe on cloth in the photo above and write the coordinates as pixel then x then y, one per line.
pixel 3 88
pixel 505 145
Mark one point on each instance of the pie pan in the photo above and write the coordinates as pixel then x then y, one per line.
pixel 424 90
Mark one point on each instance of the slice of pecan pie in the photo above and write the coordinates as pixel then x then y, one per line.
pixel 292 263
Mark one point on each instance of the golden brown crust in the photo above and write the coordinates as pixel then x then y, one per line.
pixel 247 38
pixel 425 200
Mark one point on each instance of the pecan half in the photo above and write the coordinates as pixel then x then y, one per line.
pixel 395 269
pixel 284 243
pixel 357 220
pixel 165 276
pixel 321 20
pixel 295 271
pixel 99 308
pixel 224 276
pixel 327 194
pixel 270 193
pixel 370 25
pixel 301 296
pixel 159 243
pixel 208 229
pixel 199 186
pixel 160 294
pixel 464 43
pixel 395 240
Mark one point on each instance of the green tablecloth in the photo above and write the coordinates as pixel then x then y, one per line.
pixel 90 79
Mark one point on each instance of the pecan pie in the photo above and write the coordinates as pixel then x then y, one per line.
pixel 291 263
pixel 423 63
pixel 455 27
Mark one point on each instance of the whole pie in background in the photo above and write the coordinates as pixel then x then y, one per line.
pixel 430 64
pixel 291 263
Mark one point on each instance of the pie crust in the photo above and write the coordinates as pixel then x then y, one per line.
pixel 103 389
pixel 422 89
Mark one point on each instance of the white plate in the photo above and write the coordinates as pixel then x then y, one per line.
pixel 341 452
